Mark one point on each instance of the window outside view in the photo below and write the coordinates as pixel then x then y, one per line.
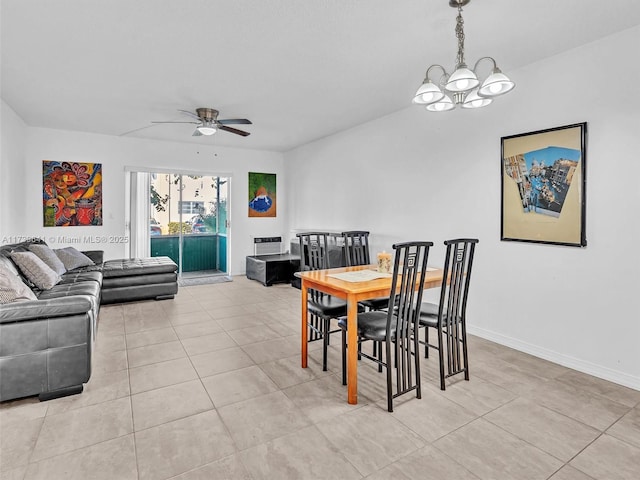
pixel 188 221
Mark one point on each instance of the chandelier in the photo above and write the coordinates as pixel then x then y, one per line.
pixel 462 87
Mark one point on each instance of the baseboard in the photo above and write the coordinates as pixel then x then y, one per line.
pixel 581 365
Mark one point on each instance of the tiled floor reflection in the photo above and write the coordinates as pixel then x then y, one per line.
pixel 209 386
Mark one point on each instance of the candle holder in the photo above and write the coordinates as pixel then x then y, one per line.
pixel 384 262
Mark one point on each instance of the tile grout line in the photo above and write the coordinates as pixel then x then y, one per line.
pixel 133 425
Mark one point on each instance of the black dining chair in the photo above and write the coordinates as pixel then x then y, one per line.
pixel 321 307
pixel 449 317
pixel 356 247
pixel 396 328
pixel 356 252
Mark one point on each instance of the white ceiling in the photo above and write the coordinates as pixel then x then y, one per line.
pixel 299 69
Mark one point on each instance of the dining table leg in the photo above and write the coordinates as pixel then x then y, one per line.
pixel 304 329
pixel 352 350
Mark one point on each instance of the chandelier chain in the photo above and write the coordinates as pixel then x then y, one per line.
pixel 460 35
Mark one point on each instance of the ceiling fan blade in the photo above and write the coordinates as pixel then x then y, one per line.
pixel 194 123
pixel 135 130
pixel 234 121
pixel 233 130
pixel 191 114
pixel 196 133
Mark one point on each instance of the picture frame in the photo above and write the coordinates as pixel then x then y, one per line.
pixel 543 188
pixel 262 195
pixel 71 194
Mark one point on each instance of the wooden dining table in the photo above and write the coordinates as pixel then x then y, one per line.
pixel 352 292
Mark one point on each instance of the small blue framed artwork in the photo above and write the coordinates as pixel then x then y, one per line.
pixel 262 194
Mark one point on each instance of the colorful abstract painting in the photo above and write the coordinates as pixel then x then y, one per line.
pixel 71 193
pixel 262 194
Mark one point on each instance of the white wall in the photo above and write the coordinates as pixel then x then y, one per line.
pixel 116 153
pixel 12 156
pixel 421 175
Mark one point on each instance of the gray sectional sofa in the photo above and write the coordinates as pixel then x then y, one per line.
pixel 46 345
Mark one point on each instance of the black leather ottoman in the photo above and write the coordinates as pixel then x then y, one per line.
pixel 270 269
pixel 132 279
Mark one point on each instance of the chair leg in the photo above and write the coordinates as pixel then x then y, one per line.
pixel 344 357
pixel 389 383
pixel 465 356
pixel 441 358
pixel 379 355
pixel 426 342
pixel 325 342
pixel 416 357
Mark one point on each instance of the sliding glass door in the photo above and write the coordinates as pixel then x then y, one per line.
pixel 188 222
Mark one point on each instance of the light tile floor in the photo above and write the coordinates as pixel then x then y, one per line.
pixel 209 386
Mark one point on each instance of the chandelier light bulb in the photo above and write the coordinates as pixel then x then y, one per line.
pixel 496 84
pixel 428 93
pixel 473 100
pixel 443 105
pixel 462 80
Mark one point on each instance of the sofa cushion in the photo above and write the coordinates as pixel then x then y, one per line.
pixel 72 258
pixel 88 268
pixel 80 275
pixel 12 289
pixel 8 264
pixel 48 256
pixel 35 270
pixel 89 288
pixel 96 256
pixel 129 267
pixel 7 250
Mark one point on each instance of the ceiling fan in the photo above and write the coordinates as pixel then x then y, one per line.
pixel 207 123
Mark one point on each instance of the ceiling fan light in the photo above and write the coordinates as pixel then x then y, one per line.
pixel 428 93
pixel 462 80
pixel 496 84
pixel 473 100
pixel 443 105
pixel 206 129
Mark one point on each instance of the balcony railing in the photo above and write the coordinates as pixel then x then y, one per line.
pixel 200 251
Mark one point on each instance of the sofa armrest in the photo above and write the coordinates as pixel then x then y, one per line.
pixel 97 256
pixel 54 307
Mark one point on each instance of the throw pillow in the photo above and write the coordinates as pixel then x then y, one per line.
pixel 49 257
pixel 12 289
pixel 72 258
pixel 35 270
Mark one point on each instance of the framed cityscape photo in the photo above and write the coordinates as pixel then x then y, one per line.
pixel 544 186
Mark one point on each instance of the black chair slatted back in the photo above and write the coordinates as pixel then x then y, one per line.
pixel 356 252
pixel 410 267
pixel 314 256
pixel 313 250
pixel 453 302
pixel 356 248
